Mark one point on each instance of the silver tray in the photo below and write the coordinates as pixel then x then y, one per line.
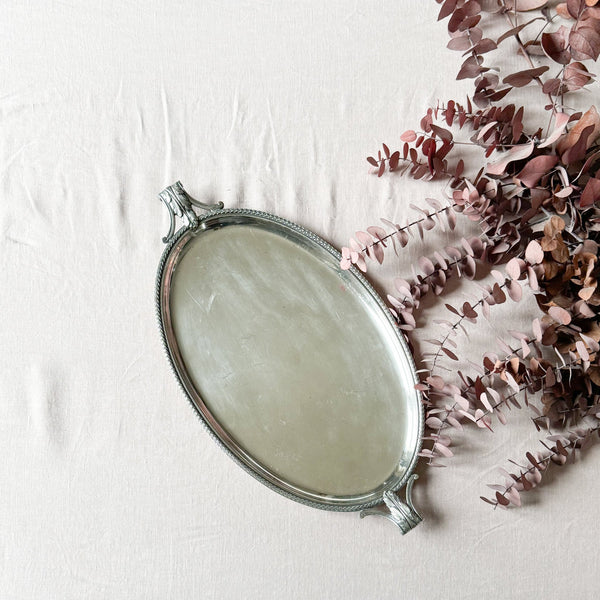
pixel 295 366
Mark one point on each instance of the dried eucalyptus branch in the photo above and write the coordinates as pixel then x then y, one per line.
pixel 547 175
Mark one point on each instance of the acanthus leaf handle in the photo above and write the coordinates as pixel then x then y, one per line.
pixel 180 204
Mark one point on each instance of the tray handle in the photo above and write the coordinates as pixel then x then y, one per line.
pixel 402 514
pixel 180 204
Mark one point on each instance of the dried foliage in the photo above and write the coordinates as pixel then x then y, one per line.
pixel 536 199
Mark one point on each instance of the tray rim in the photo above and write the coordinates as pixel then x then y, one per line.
pixel 312 499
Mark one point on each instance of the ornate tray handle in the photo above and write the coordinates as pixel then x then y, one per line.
pixel 400 513
pixel 179 203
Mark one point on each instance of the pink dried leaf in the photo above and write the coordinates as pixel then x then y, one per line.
pixel 435 204
pixel 496 487
pixel 454 422
pixel 583 353
pixel 485 129
pixel 498 276
pixel 434 422
pixel 534 253
pixel 361 264
pixel 426 265
pixel 364 238
pixel 515 291
pixel 518 152
pixel 481 420
pixel 377 251
pixel 513 495
pixel 590 342
pixel 467 414
pixel 560 315
pixel 436 382
pixel 511 382
pixel 426 453
pixel 443 450
pixel 536 168
pixel 451 218
pixel 377 232
pixel 461 401
pixel 513 268
pixel 409 136
pixel 501 416
pixel 532 279
pixel 486 403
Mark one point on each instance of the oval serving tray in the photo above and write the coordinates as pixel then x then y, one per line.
pixel 294 365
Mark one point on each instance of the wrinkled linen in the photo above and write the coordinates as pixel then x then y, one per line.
pixel 110 486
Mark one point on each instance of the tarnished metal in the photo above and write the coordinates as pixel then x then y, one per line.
pixel 383 501
pixel 402 514
pixel 180 204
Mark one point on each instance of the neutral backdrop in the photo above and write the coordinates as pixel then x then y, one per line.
pixel 109 486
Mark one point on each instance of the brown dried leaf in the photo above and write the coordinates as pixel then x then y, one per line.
pixel 498 295
pixel 515 30
pixel 470 69
pixel 575 7
pixel 591 193
pixel 442 133
pixel 447 9
pixel 556 45
pixel 522 78
pixel 591 117
pixel 501 499
pixel 585 43
pixel 449 353
pixel 562 10
pixel 576 76
pixel 468 311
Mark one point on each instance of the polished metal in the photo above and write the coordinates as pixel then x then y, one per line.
pixel 189 295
